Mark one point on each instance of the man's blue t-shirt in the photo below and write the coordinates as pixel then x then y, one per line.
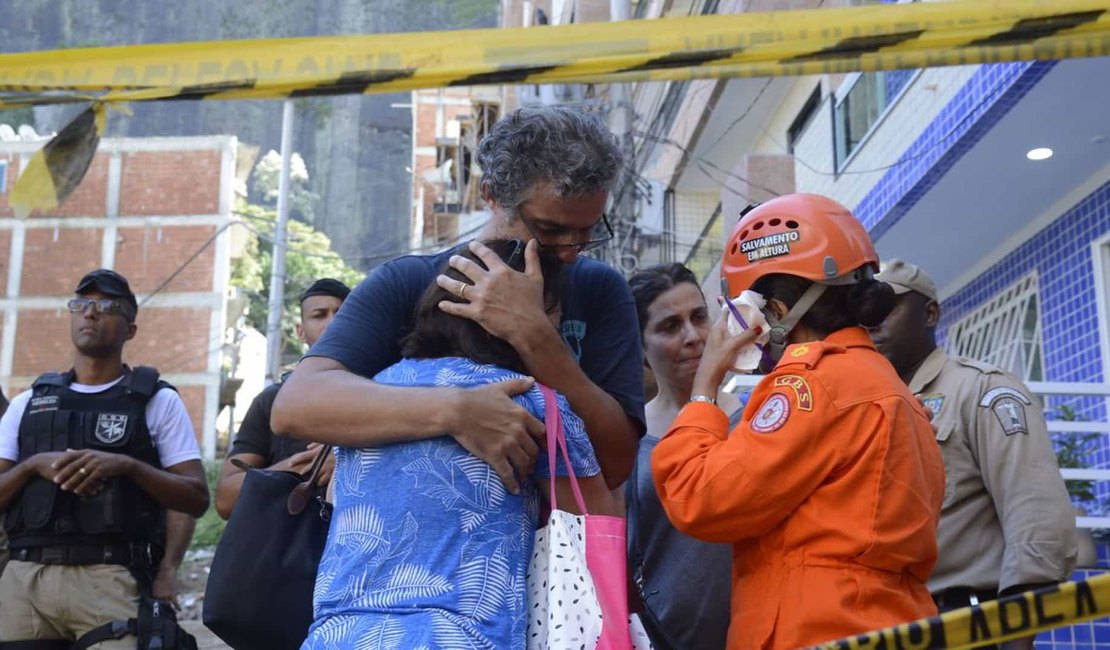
pixel 599 324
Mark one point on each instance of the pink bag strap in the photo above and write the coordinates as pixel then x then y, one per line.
pixel 556 438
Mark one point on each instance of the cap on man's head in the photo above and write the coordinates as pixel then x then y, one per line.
pixel 109 283
pixel 327 287
pixel 904 277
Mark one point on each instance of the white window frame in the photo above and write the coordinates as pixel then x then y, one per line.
pixel 841 94
pixel 994 332
pixel 1100 257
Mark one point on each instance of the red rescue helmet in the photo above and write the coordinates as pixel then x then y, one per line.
pixel 806 235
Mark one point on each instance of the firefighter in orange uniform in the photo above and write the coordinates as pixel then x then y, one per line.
pixel 830 488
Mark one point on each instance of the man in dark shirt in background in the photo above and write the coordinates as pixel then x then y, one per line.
pixel 256 444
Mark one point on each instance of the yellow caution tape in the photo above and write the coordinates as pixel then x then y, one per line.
pixel 1020 615
pixel 55 170
pixel 908 35
pixel 817 41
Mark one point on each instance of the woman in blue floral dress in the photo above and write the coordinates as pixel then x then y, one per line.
pixel 427 549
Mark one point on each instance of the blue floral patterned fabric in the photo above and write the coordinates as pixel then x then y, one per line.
pixel 426 547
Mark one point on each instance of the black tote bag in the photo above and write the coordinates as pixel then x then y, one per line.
pixel 259 593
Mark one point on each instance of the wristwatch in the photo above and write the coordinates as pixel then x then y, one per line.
pixel 704 398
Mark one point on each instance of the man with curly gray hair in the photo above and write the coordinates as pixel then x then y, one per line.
pixel 546 176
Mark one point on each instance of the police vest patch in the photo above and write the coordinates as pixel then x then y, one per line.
pixel 44 403
pixel 802 394
pixel 110 427
pixel 772 415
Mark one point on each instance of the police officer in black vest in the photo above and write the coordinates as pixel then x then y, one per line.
pixel 91 460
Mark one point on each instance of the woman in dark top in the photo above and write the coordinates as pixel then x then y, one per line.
pixel 684 583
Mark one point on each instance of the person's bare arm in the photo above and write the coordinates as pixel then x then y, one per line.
pixel 509 305
pixel 14 476
pixel 179 534
pixel 231 478
pixel 599 499
pixel 323 401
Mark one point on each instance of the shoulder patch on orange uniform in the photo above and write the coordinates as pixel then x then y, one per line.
pixel 803 396
pixel 772 414
pixel 806 354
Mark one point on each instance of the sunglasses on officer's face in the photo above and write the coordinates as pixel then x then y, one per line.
pixel 101 306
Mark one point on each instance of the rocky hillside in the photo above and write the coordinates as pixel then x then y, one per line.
pixel 356 148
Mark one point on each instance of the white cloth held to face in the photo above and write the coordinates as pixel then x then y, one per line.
pixel 750 306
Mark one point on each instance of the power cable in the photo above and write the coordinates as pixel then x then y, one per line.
pixel 689 154
pixel 743 115
pixel 186 263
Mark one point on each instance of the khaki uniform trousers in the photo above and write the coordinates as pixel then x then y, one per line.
pixel 54 601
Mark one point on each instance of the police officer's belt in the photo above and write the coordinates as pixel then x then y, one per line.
pixel 132 555
pixel 958 597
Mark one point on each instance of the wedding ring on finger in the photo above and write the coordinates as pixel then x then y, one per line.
pixel 462 290
pixel 83 471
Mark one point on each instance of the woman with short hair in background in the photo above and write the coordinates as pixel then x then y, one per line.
pixel 684 583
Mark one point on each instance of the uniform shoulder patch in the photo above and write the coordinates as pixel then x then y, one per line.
pixel 1011 415
pixel 806 354
pixel 803 396
pixel 998 392
pixel 774 413
pixel 1008 405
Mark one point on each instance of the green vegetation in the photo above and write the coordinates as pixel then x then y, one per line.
pixel 308 257
pixel 210 526
pixel 1073 451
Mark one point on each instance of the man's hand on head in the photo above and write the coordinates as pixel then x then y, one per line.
pixel 506 303
pixel 496 429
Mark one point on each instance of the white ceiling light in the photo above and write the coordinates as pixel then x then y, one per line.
pixel 1040 153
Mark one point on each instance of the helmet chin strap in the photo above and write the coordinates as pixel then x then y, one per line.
pixel 780 329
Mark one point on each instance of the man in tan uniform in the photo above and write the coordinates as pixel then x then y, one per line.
pixel 1007 523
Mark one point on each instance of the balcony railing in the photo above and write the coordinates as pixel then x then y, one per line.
pixel 1045 389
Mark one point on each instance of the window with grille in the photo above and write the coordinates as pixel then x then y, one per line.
pixel 1006 332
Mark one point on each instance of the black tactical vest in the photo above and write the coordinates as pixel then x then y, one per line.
pixel 114 420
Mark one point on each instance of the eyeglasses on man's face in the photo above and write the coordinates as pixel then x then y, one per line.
pixel 101 306
pixel 600 234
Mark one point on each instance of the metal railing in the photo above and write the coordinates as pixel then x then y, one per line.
pixel 1075 389
pixel 1044 389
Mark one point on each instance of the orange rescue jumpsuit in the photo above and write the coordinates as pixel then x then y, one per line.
pixel 829 490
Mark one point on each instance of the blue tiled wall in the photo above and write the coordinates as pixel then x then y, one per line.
pixel 1060 254
pixel 990 93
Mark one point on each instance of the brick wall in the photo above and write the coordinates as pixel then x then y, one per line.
pixel 42 342
pixel 54 259
pixel 172 339
pixel 5 245
pixel 11 173
pixel 154 203
pixel 149 254
pixel 167 182
pixel 90 197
